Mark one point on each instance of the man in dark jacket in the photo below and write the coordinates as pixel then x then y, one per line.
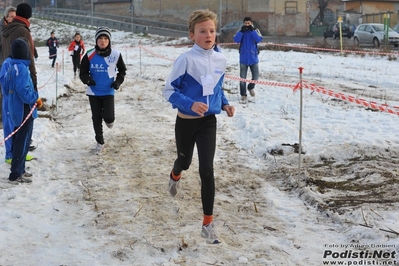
pixel 9 14
pixel 19 28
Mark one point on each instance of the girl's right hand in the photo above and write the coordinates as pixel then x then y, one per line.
pixel 199 108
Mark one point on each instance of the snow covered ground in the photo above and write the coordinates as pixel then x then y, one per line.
pixel 341 207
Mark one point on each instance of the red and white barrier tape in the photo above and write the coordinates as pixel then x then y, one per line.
pixel 313 87
pixel 23 122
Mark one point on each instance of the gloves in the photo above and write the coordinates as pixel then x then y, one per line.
pixel 91 82
pixel 247 28
pixel 115 85
pixel 39 103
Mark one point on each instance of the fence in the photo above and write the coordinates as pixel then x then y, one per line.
pixel 379 18
pixel 122 23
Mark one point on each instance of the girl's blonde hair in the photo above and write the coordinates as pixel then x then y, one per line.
pixel 199 16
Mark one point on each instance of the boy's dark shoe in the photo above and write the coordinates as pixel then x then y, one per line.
pixel 20 180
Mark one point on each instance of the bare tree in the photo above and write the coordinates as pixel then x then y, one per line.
pixel 323 4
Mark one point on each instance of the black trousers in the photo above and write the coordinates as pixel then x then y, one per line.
pixel 54 58
pixel 76 62
pixel 102 107
pixel 202 132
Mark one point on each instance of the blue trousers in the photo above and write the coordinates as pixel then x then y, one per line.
pixel 243 74
pixel 8 127
pixel 20 146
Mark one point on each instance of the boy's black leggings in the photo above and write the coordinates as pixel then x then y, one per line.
pixel 202 132
pixel 102 107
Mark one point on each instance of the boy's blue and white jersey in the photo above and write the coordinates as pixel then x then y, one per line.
pixel 197 76
pixel 103 70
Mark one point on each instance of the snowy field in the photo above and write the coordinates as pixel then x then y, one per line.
pixel 339 208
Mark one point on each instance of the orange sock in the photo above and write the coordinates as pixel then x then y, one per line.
pixel 175 177
pixel 207 219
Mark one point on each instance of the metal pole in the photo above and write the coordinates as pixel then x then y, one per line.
pixel 132 11
pixel 92 9
pixel 300 120
pixel 140 58
pixel 340 31
pixel 56 87
pixel 220 14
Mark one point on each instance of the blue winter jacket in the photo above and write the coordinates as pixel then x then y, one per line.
pixel 3 72
pixel 248 46
pixel 184 85
pixel 18 86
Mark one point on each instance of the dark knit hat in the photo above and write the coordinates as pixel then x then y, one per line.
pixel 103 31
pixel 19 49
pixel 24 10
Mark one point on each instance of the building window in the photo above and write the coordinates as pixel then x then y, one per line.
pixel 329 16
pixel 291 7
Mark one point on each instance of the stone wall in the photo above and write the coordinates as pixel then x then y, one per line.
pixel 269 14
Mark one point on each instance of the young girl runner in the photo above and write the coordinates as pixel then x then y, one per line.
pixel 77 49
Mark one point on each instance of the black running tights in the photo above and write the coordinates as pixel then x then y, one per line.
pixel 102 107
pixel 202 132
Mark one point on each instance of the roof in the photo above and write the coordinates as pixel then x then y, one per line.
pixel 111 1
pixel 390 1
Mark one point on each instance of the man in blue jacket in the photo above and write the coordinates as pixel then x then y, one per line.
pixel 248 37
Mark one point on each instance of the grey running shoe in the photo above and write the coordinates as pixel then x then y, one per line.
pixel 99 148
pixel 20 180
pixel 252 92
pixel 174 187
pixel 208 232
pixel 244 100
pixel 27 174
pixel 109 125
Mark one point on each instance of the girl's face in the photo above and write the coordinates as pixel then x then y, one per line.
pixel 103 42
pixel 204 34
pixel 77 37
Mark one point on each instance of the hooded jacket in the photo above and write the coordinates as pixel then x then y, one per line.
pixel 19 28
pixel 248 46
pixel 17 86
